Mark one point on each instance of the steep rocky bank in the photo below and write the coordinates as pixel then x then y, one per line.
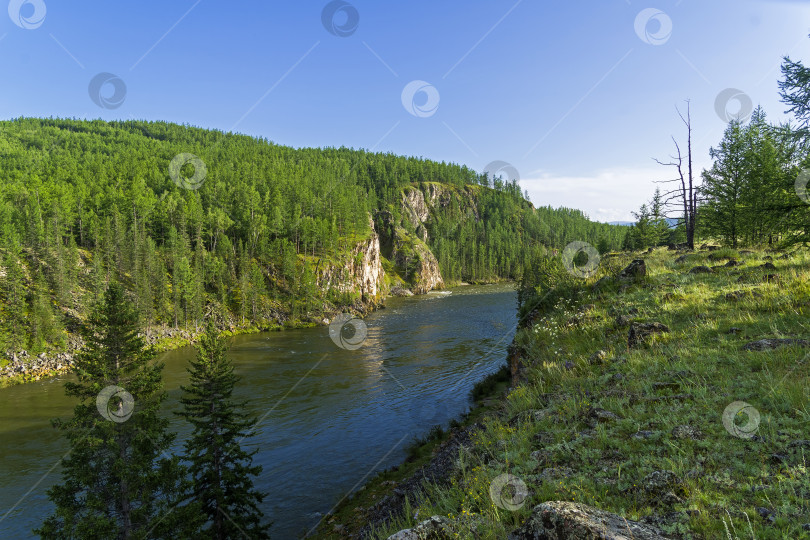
pixel 399 241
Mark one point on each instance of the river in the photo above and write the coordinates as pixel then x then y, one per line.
pixel 329 417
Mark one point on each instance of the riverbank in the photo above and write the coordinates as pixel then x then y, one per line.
pixel 672 400
pixel 23 367
pixel 327 412
pixel 429 458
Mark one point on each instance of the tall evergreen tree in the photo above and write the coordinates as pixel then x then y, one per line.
pixel 14 289
pixel 116 482
pixel 220 468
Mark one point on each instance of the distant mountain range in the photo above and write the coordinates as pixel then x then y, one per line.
pixel 671 221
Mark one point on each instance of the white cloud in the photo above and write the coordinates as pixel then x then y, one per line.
pixel 606 195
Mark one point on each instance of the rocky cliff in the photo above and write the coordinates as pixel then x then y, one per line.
pixel 360 273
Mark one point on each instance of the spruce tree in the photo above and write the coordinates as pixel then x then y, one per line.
pixel 118 481
pixel 220 468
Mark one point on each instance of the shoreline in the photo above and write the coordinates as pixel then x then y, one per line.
pixel 386 494
pixel 30 368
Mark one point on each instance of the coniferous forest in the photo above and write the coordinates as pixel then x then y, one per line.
pixel 245 232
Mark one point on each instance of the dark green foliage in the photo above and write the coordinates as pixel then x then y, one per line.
pixel 749 193
pixel 14 300
pixel 254 235
pixel 220 469
pixel 485 387
pixel 651 228
pixel 118 481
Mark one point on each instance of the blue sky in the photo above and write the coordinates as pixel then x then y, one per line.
pixel 568 92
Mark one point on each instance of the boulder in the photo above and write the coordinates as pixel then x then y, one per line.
pixel 598 357
pixel 660 482
pixel 636 269
pixel 768 266
pixel 435 528
pixel 686 432
pixel 563 520
pixel 400 291
pixel 640 331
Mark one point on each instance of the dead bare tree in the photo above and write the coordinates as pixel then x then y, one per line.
pixel 685 195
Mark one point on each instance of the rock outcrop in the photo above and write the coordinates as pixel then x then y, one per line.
pixel 562 520
pixel 361 273
pixel 639 332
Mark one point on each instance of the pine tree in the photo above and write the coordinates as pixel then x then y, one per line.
pixel 116 484
pixel 220 469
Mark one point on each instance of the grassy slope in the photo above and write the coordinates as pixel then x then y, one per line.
pixel 686 377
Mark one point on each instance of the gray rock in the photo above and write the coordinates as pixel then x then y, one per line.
pixel 598 357
pixel 400 291
pixel 686 432
pixel 635 270
pixel 563 520
pixel 640 331
pixel 659 482
pixel 435 528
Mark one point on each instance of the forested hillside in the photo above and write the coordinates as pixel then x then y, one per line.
pixel 257 230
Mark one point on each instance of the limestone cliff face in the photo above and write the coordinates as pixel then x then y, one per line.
pixel 418 203
pixel 362 272
pixel 420 266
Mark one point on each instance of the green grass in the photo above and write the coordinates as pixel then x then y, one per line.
pixel 686 377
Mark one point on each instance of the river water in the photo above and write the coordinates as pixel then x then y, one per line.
pixel 330 417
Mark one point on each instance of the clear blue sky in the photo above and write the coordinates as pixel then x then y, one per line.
pixel 567 91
